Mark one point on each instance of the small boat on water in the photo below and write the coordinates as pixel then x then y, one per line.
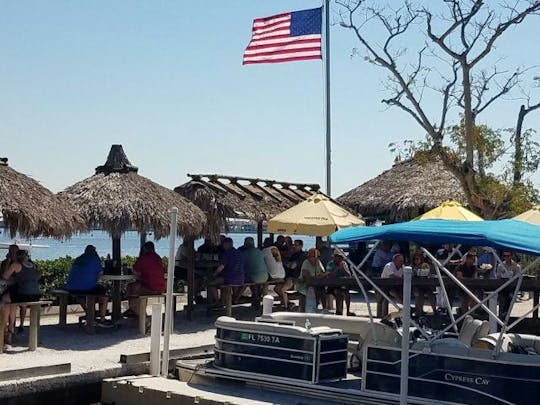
pixel 353 359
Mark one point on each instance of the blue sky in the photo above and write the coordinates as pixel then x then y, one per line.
pixel 165 79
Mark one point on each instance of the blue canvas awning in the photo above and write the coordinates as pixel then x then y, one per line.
pixel 504 234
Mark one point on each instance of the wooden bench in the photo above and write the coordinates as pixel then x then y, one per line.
pixel 35 312
pixel 90 303
pixel 143 303
pixel 227 292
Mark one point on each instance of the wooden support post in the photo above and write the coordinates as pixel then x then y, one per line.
pixel 260 234
pixel 536 296
pixel 62 310
pixel 90 314
pixel 116 255
pixel 3 323
pixel 142 315
pixel 34 327
pixel 191 279
pixel 226 292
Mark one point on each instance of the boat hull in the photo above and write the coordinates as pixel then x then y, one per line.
pixel 453 379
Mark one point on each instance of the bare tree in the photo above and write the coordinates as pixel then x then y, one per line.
pixel 459 35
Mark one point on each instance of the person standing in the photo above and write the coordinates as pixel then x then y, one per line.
pixel 25 288
pixel 466 270
pixel 505 270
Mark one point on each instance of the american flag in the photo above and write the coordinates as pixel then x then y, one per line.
pixel 286 37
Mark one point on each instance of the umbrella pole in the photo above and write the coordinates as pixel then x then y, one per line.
pixel 142 240
pixel 116 256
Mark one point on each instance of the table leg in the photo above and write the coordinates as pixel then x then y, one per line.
pixel 142 315
pixel 117 301
pixel 536 299
pixel 227 293
pixel 90 314
pixel 34 327
pixel 62 310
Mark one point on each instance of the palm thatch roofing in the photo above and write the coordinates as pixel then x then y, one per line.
pixel 31 210
pixel 117 199
pixel 408 189
pixel 222 197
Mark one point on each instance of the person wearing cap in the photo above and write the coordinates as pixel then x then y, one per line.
pixel 467 269
pixel 394 269
pixel 83 278
pixel 338 268
pixel 313 268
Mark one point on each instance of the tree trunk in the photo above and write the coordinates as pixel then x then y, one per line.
pixel 518 147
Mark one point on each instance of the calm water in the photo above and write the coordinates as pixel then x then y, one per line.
pixel 130 244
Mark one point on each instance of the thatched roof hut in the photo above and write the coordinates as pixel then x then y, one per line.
pixel 408 189
pixel 117 199
pixel 31 210
pixel 222 197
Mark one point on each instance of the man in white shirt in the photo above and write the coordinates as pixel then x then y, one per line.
pixel 394 269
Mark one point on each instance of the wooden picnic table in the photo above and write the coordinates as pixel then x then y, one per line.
pixel 117 281
pixel 529 284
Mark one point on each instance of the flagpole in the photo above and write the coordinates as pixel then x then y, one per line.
pixel 327 97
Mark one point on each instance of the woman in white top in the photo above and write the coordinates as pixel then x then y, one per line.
pixel 272 258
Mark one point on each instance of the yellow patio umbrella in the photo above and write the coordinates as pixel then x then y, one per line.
pixel 317 216
pixel 450 210
pixel 532 216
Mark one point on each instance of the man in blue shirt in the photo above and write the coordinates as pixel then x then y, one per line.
pixel 83 278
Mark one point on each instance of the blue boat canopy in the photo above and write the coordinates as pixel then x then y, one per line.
pixel 510 234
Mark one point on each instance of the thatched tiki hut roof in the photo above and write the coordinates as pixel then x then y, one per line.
pixel 222 197
pixel 408 189
pixel 117 199
pixel 31 210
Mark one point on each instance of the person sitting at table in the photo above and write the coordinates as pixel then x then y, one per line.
pixel 338 269
pixel 467 270
pixel 295 261
pixel 83 279
pixel 394 269
pixel 421 269
pixel 11 257
pixel 276 272
pixel 312 268
pixel 505 270
pixel 149 268
pixel 25 286
pixel 254 267
pixel 229 271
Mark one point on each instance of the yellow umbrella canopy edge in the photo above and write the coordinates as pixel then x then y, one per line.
pixel 531 216
pixel 450 210
pixel 316 216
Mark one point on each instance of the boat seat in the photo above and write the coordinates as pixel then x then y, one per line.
pixel 261 327
pixel 356 328
pixel 510 339
pixel 472 330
